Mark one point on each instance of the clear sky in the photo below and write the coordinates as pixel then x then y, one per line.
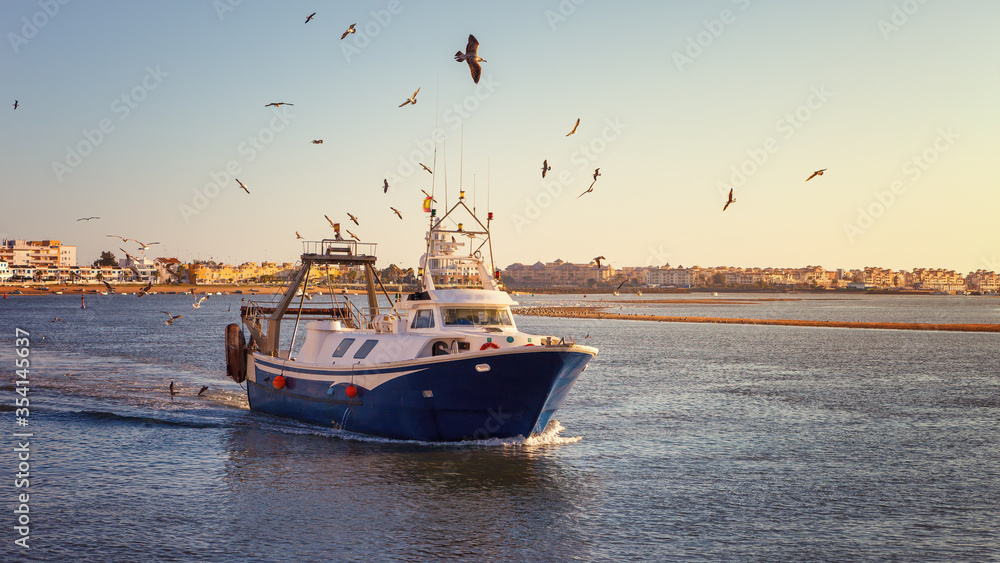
pixel 130 110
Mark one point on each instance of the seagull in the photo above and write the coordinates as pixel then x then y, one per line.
pixel 197 304
pixel 349 31
pixel 297 236
pixel 132 259
pixel 355 219
pixel 318 141
pixel 816 173
pixel 172 392
pixel 145 290
pixel 329 220
pixel 354 236
pixel 590 189
pixel 411 100
pixel 429 195
pixel 57 319
pixel 397 212
pixel 545 167
pixel 170 320
pixel 243 186
pixel 16 104
pixel 385 185
pixel 620 285
pixel 278 104
pixel 205 387
pixel 598 260
pixel 111 288
pixel 121 237
pixel 424 166
pixel 143 246
pixel 731 199
pixel 307 21
pixel 87 218
pixel 597 172
pixel 574 127
pixel 472 57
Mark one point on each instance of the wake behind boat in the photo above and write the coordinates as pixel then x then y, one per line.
pixel 445 363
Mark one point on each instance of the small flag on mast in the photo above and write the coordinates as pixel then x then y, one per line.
pixel 427 204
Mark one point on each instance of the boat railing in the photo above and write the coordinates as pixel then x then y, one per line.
pixel 335 247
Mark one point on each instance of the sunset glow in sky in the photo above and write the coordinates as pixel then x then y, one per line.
pixel 143 113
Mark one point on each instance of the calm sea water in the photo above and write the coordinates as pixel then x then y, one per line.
pixel 681 442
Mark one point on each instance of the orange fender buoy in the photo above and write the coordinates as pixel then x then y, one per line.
pixel 351 391
pixel 279 382
pixel 529 344
pixel 488 345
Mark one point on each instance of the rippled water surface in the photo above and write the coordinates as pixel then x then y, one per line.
pixel 681 442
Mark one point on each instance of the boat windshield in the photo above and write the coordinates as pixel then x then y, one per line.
pixel 480 316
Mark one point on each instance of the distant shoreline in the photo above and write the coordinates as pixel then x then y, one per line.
pixel 592 313
pixel 132 288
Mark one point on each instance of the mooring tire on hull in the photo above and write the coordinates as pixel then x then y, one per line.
pixel 236 353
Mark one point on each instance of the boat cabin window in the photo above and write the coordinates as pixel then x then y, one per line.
pixel 479 316
pixel 364 349
pixel 423 318
pixel 342 347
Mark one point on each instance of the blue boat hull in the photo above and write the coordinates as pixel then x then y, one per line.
pixel 446 398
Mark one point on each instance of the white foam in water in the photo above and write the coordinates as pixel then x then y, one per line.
pixel 549 437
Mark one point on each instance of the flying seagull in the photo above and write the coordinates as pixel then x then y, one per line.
pixel 145 290
pixel 574 127
pixel 307 21
pixel 243 186
pixel 355 219
pixel 731 199
pixel 318 141
pixel 329 220
pixel 349 31
pixel 197 304
pixel 278 104
pixel 816 173
pixel 385 185
pixel 144 246
pixel 354 236
pixel 411 100
pixel 424 166
pixel 87 218
pixel 172 392
pixel 429 195
pixel 598 260
pixel 597 172
pixel 396 211
pixel 111 288
pixel 545 167
pixel 170 320
pixel 133 260
pixel 205 387
pixel 297 235
pixel 16 104
pixel 471 56
pixel 590 189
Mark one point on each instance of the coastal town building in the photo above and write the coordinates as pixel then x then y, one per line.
pixel 37 253
pixel 984 281
pixel 5 272
pixel 557 274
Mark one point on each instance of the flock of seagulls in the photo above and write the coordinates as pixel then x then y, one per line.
pixel 143 246
pixel 174 392
pixel 732 199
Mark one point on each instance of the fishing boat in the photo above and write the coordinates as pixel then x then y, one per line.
pixel 444 363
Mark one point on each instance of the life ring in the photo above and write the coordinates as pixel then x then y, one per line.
pixel 488 345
